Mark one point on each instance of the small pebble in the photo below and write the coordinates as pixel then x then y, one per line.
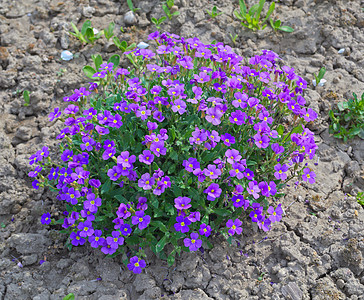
pixel 142 45
pixel 66 55
pixel 341 51
pixel 130 18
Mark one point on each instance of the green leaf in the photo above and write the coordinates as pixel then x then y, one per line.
pixel 70 296
pixel 86 26
pixel 286 28
pixel 121 198
pixel 270 11
pixel 26 97
pixel 322 70
pixel 242 7
pixel 106 187
pixel 115 59
pixel 280 129
pixel 221 212
pixel 89 71
pixel 162 242
pixel 97 60
pixel 259 10
pixel 159 225
pixel 171 258
pixel 109 32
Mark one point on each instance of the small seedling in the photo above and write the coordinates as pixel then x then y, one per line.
pixel 61 72
pixel 86 35
pixel 319 77
pixel 109 32
pixel 276 25
pixel 261 276
pixel 26 97
pixel 158 22
pixel 347 121
pixel 251 18
pixel 123 46
pixel 360 198
pixel 233 38
pixel 97 59
pixel 131 6
pixel 213 13
pixel 167 6
pixel 70 296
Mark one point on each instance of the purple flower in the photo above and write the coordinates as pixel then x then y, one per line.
pixel 277 148
pixel 253 189
pixel 256 213
pixel 125 160
pixel 186 62
pixel 115 240
pixel 275 214
pixel 213 115
pixel 238 117
pixel 239 201
pixel 232 155
pixel 264 224
pixel 272 188
pixel 194 216
pixel 143 113
pixel 234 226
pixel 125 229
pixel 194 242
pixel 114 173
pixel 34 173
pixel 35 184
pixel 228 139
pixel 146 182
pixel 87 143
pixel 280 171
pixel 240 101
pixel 96 240
pixel 191 164
pixel 212 172
pixel 92 203
pixel 158 148
pixel 53 174
pixel 147 157
pixel 309 114
pixel 123 212
pixel 140 219
pixel 182 203
pixel 108 153
pixel 102 130
pixel 76 239
pixel 308 175
pixel 261 141
pixel 71 109
pixel 179 106
pixel 106 247
pixel 205 230
pixel 136 265
pixel 46 219
pixel 213 191
pixel 182 224
pixel 55 114
pixel 237 170
pixel 86 229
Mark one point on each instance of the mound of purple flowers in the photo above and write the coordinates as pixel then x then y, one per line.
pixel 185 146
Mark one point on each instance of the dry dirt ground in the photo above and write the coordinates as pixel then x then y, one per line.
pixel 316 252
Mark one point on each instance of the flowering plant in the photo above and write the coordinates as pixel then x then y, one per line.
pixel 189 144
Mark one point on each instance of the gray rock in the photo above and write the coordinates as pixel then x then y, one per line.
pixel 28 243
pixel 130 18
pixel 292 291
pixel 88 11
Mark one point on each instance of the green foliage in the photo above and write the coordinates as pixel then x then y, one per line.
pixel 86 35
pixel 123 46
pixel 167 9
pixel 97 59
pixel 347 119
pixel 213 13
pixel 320 75
pixel 251 18
pixel 360 198
pixel 233 38
pixel 26 97
pixel 276 25
pixel 131 6
pixel 70 296
pixel 109 31
pixel 158 22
